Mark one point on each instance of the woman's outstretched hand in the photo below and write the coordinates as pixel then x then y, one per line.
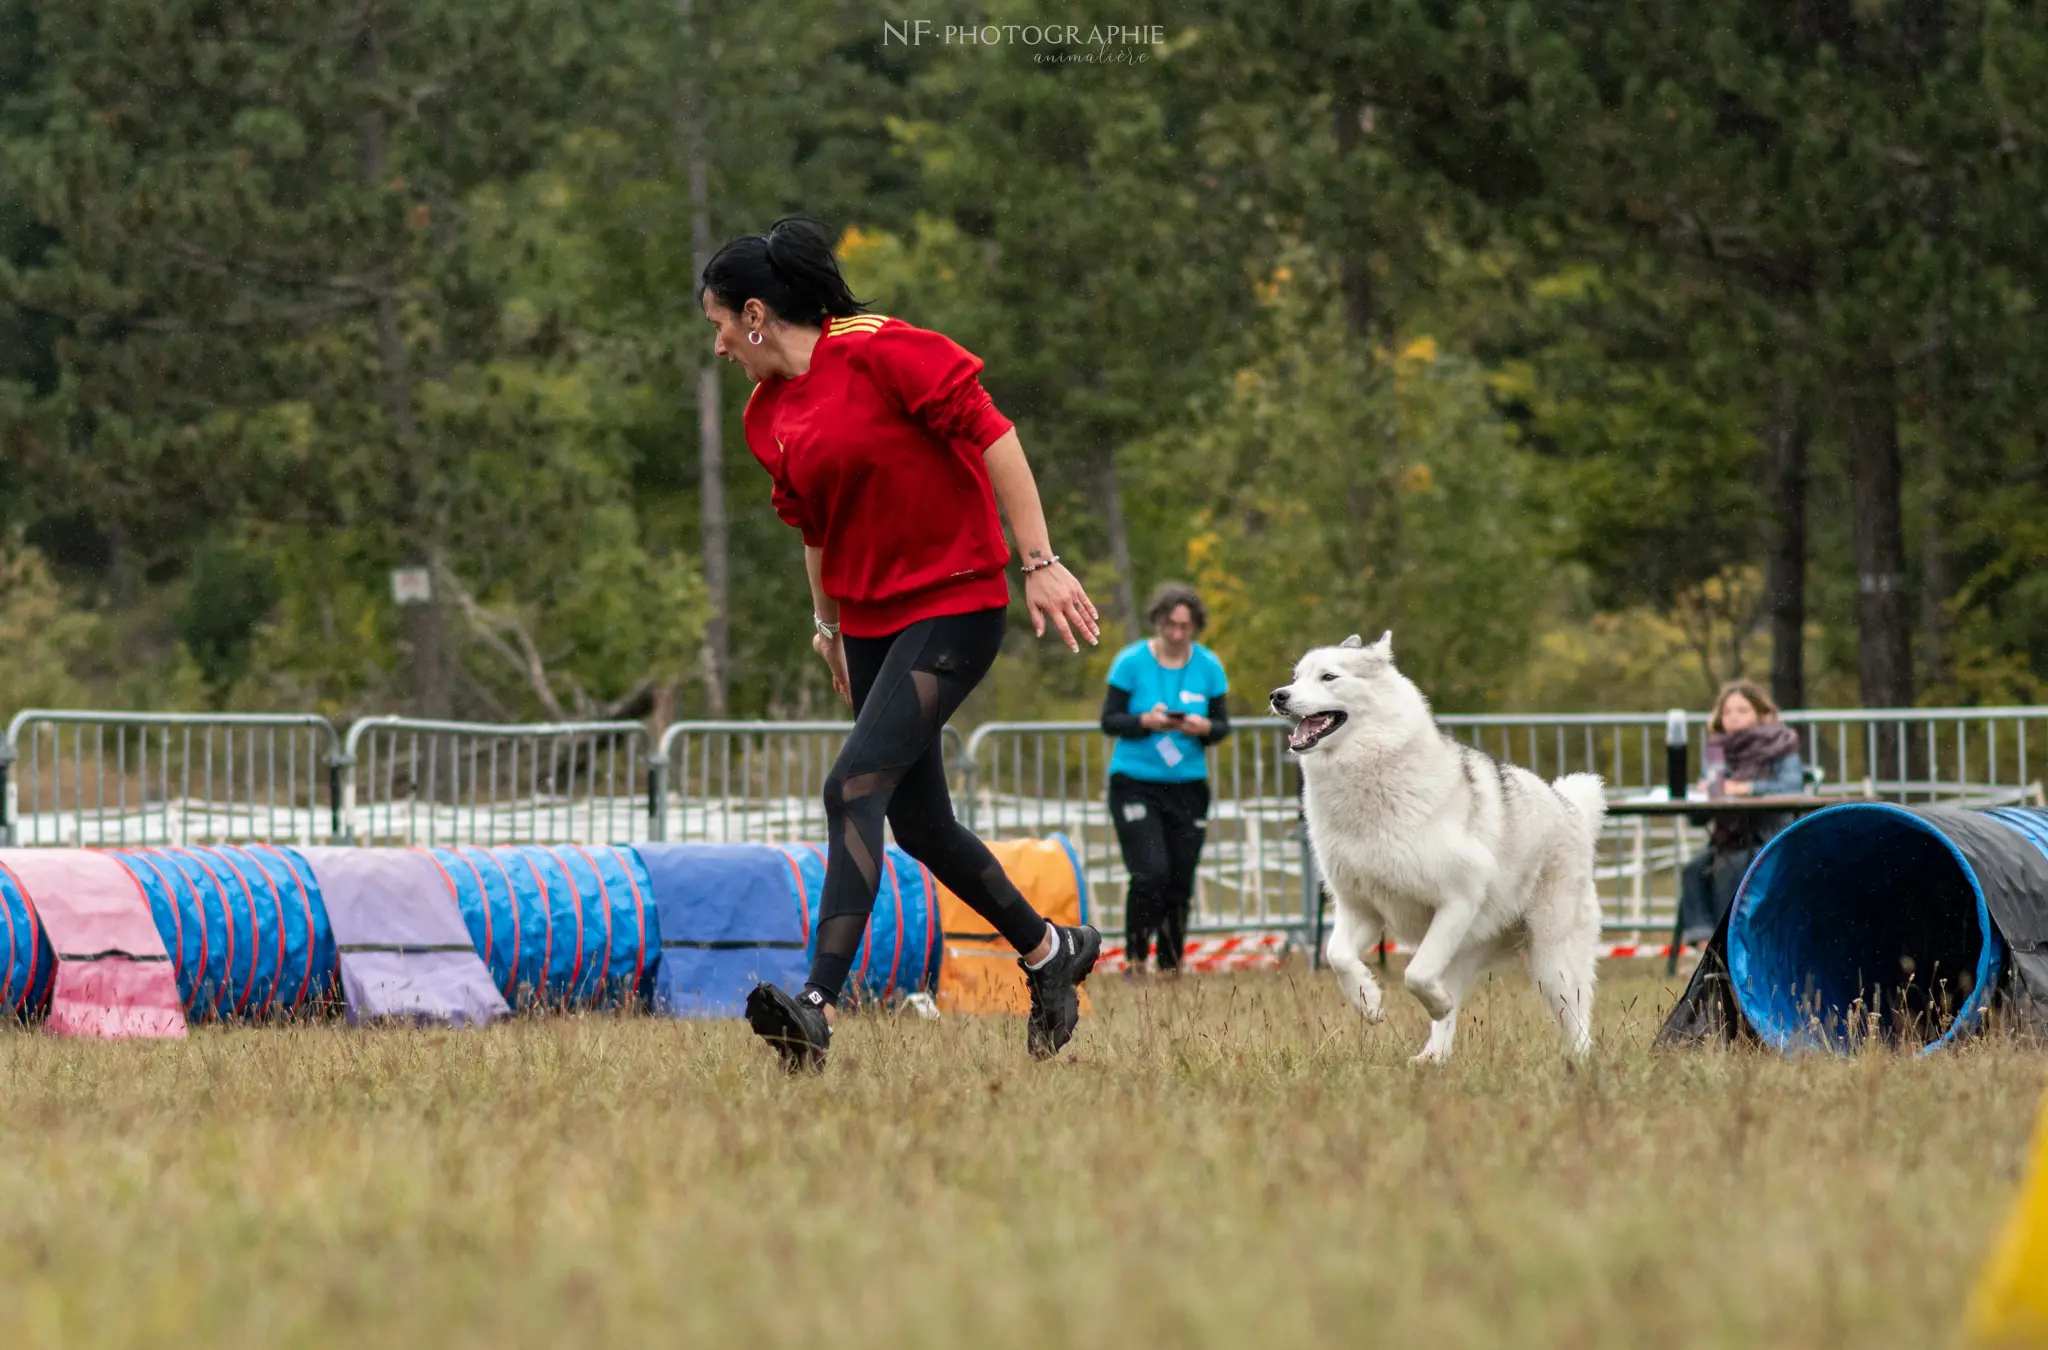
pixel 834 652
pixel 1055 593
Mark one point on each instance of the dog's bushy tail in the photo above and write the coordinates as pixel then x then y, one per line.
pixel 1587 796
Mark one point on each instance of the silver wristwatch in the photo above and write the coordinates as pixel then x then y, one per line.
pixel 827 631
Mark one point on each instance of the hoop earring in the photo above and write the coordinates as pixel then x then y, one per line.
pixel 754 336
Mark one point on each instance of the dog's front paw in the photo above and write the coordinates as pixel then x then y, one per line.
pixel 1437 1050
pixel 1369 1007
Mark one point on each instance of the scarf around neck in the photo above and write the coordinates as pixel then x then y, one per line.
pixel 1751 751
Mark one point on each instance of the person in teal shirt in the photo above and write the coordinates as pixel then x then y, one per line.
pixel 1166 707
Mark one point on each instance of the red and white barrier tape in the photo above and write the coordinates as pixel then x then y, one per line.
pixel 1620 949
pixel 1264 950
pixel 1239 951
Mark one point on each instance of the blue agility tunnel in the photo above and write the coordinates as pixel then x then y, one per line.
pixel 736 914
pixel 567 926
pixel 731 915
pixel 27 963
pixel 1909 924
pixel 905 940
pixel 245 927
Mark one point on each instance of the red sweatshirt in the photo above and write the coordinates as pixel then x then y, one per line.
pixel 876 453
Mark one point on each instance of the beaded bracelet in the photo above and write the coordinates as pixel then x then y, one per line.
pixel 1029 568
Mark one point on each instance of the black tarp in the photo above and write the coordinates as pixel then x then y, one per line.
pixel 1915 919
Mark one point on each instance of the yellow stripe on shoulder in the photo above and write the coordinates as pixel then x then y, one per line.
pixel 857 323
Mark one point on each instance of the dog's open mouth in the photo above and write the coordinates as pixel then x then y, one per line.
pixel 1312 728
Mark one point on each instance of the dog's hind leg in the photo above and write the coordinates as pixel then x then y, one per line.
pixel 1564 965
pixel 1566 985
pixel 1351 936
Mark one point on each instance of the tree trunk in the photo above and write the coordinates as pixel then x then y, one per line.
pixel 716 531
pixel 1785 553
pixel 1937 570
pixel 1883 639
pixel 714 525
pixel 122 584
pixel 425 624
pixel 664 713
pixel 425 633
pixel 1109 488
pixel 1347 124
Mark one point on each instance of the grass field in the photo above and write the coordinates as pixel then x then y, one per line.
pixel 1228 1161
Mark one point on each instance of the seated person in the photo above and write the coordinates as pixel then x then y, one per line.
pixel 1762 758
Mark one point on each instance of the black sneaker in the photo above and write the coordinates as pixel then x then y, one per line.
pixel 1055 1007
pixel 794 1025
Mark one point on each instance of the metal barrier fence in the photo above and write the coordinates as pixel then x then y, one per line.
pixel 1899 754
pixel 760 782
pixel 89 778
pixel 105 778
pixel 412 782
pixel 1030 778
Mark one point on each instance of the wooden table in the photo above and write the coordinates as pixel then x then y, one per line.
pixel 1718 806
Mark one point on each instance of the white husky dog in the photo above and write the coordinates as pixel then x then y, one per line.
pixel 1437 844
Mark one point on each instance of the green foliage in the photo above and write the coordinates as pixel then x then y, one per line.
pixel 1651 462
pixel 41 637
pixel 350 370
pixel 1338 490
pixel 1468 322
pixel 229 591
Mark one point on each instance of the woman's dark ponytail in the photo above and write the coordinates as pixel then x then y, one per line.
pixel 789 268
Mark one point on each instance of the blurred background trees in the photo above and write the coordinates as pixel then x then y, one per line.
pixel 1601 351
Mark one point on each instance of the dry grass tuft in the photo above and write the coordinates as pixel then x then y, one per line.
pixel 1225 1161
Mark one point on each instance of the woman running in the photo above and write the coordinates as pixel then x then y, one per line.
pixel 889 457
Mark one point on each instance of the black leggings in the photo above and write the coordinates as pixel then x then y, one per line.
pixel 892 767
pixel 1161 827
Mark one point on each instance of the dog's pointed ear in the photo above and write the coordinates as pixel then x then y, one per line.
pixel 1353 641
pixel 1385 646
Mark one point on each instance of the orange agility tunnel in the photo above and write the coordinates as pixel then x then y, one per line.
pixel 979 972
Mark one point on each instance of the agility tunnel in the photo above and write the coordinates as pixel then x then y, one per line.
pixel 30 964
pixel 1906 924
pixel 137 941
pixel 980 973
pixel 110 973
pixel 246 928
pixel 904 945
pixel 402 949
pixel 570 926
pixel 732 915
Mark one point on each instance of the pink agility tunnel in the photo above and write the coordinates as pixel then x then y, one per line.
pixel 113 976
